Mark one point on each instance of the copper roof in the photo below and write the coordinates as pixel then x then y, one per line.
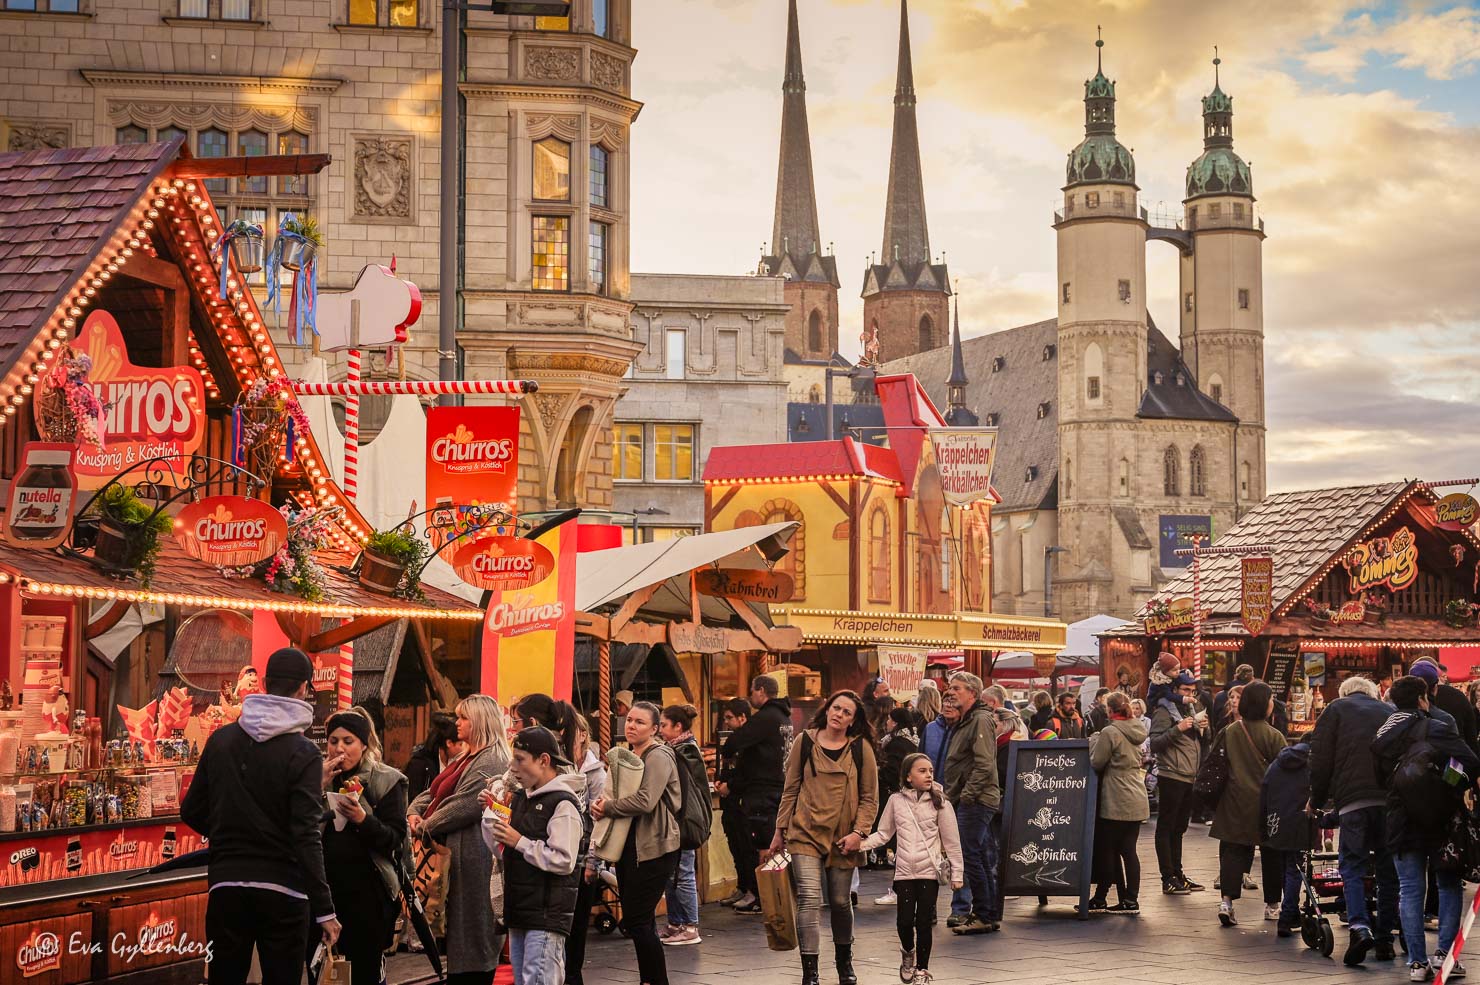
pixel 57 209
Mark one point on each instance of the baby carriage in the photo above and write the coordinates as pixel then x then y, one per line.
pixel 608 901
pixel 1323 892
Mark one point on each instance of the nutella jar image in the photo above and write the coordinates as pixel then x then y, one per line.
pixel 41 497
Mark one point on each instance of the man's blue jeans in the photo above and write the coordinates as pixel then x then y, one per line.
pixel 1412 866
pixel 683 893
pixel 538 957
pixel 1363 840
pixel 979 856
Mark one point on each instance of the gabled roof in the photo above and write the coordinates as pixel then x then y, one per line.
pixel 57 210
pixel 1171 389
pixel 844 457
pixel 903 275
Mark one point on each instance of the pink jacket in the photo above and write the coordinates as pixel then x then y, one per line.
pixel 923 833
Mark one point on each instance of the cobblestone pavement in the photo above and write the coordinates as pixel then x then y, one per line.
pixel 1175 941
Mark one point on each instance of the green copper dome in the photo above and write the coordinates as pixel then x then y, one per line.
pixel 1217 101
pixel 1100 158
pixel 1099 87
pixel 1219 171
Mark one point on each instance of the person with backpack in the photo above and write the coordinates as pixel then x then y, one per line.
pixel 927 853
pixel 682 894
pixel 758 750
pixel 364 843
pixel 1066 721
pixel 828 803
pixel 650 853
pixel 1425 766
pixel 1251 744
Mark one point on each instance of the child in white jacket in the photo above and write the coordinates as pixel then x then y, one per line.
pixel 925 825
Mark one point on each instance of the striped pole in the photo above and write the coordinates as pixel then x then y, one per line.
pixel 604 694
pixel 1452 957
pixel 352 428
pixel 387 388
pixel 346 676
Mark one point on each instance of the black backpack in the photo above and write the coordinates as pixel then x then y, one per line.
pixel 857 750
pixel 694 813
pixel 1418 777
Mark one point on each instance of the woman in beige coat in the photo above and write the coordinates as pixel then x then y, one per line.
pixel 651 852
pixel 1115 753
pixel 828 803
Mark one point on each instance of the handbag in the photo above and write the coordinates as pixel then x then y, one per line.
pixel 778 901
pixel 1212 775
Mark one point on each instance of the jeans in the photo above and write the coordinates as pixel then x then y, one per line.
pixel 1411 866
pixel 1363 835
pixel 815 882
pixel 238 919
pixel 1174 811
pixel 1116 861
pixel 642 886
pixel 538 957
pixel 682 893
pixel 979 858
pixel 1286 867
pixel 916 916
pixel 961 901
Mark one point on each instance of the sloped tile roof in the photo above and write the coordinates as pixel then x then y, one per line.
pixel 57 208
pixel 1306 529
pixel 1171 389
pixel 796 459
pixel 1013 393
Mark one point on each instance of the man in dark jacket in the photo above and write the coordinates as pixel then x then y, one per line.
pixel 758 750
pixel 971 786
pixel 1424 791
pixel 1448 699
pixel 258 796
pixel 1242 674
pixel 1176 741
pixel 1342 777
pixel 1098 716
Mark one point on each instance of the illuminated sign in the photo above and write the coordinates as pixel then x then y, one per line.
pixel 1383 561
pixel 503 563
pixel 1455 511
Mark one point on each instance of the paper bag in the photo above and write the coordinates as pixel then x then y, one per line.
pixel 778 902
pixel 329 968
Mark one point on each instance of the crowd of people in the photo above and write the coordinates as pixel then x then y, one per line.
pixel 507 825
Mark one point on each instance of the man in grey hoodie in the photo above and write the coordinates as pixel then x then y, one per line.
pixel 257 795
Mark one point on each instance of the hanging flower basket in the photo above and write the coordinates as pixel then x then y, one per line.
pixel 1460 614
pixel 268 420
pixel 380 573
pixel 67 410
pixel 298 254
pixel 249 250
pixel 390 557
pixel 299 240
pixel 128 533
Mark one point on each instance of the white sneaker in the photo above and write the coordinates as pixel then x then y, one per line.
pixel 888 899
pixel 923 977
pixel 1225 913
pixel 1249 882
pixel 1272 913
pixel 744 903
pixel 1419 971
pixel 1437 961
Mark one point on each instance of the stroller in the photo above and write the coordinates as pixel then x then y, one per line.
pixel 608 902
pixel 1324 893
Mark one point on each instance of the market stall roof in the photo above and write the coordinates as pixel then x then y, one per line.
pixel 603 577
pixel 1020 666
pixel 802 459
pixel 182 580
pixel 1082 639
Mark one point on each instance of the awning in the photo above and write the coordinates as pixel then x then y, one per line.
pixel 1083 639
pixel 969 631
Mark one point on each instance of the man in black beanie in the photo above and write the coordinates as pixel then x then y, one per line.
pixel 258 796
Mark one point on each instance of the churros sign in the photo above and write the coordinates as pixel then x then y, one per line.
pixel 230 531
pixel 503 563
pixel 472 464
pixel 39 953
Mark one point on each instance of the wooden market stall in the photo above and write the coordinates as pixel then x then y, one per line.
pixel 1365 580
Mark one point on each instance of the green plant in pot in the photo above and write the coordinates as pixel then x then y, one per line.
pixel 129 532
pixel 392 557
pixel 304 240
pixel 1459 613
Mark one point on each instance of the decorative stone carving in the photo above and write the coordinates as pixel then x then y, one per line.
pixel 551 406
pixel 38 136
pixel 553 64
pixel 608 72
pixel 537 126
pixel 195 116
pixel 383 172
pixel 608 133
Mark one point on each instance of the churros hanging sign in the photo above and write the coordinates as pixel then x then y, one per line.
pixel 472 463
pixel 230 531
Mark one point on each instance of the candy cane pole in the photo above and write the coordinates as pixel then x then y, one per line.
pixel 346 684
pixel 352 429
pixel 1459 941
pixel 421 388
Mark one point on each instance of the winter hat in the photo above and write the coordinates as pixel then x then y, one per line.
pixel 289 665
pixel 1427 671
pixel 1045 735
pixel 928 684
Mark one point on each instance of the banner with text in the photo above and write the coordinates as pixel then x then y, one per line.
pixel 1257 594
pixel 964 458
pixel 902 668
pixel 529 633
pixel 472 462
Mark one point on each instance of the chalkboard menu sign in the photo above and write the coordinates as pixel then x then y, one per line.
pixel 1048 825
pixel 1281 669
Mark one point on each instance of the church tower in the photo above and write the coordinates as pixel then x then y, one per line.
pixel 905 294
pixel 1102 343
pixel 796 245
pixel 1222 277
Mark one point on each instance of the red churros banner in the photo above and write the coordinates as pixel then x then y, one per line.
pixel 529 634
pixel 230 531
pixel 472 461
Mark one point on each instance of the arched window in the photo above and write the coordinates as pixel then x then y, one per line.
pixel 1215 387
pixel 814 331
pixel 1197 483
pixel 1068 478
pixel 1171 472
pixel 1125 477
pixel 927 333
pixel 878 555
pixel 794 561
pixel 1094 375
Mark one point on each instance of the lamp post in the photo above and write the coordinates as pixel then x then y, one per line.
pixel 451 212
pixel 1048 553
pixel 650 511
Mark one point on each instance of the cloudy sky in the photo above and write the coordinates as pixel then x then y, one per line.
pixel 1359 120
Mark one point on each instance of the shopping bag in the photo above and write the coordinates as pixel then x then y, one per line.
pixel 328 967
pixel 778 902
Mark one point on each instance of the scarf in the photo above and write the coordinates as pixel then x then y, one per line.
pixel 447 781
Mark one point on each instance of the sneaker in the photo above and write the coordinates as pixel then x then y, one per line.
pixel 1191 886
pixel 669 931
pixel 685 935
pixel 1283 929
pixel 888 899
pixel 923 976
pixel 1098 905
pixel 955 920
pixel 1357 948
pixel 731 899
pixel 906 965
pixel 974 925
pixel 1272 913
pixel 1225 913
pixel 1249 882
pixel 744 903
pixel 1129 907
pixel 1172 887
pixel 1384 950
pixel 1437 961
pixel 1419 971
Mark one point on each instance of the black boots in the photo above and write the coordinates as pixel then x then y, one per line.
pixel 844 954
pixel 809 970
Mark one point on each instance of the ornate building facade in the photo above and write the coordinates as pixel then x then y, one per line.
pixel 544 290
pixel 1115 444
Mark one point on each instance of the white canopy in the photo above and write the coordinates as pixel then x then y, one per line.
pixel 1082 641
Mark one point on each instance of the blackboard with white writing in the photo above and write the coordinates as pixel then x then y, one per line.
pixel 1048 820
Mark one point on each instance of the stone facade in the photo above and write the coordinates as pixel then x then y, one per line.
pixel 731 391
pixel 271 76
pixel 908 321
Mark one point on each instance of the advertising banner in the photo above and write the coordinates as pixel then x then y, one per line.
pixel 1257 595
pixel 43 496
pixel 151 413
pixel 1175 532
pixel 230 531
pixel 472 461
pixel 964 458
pixel 529 633
pixel 902 669
pixel 502 563
pixel 1455 511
